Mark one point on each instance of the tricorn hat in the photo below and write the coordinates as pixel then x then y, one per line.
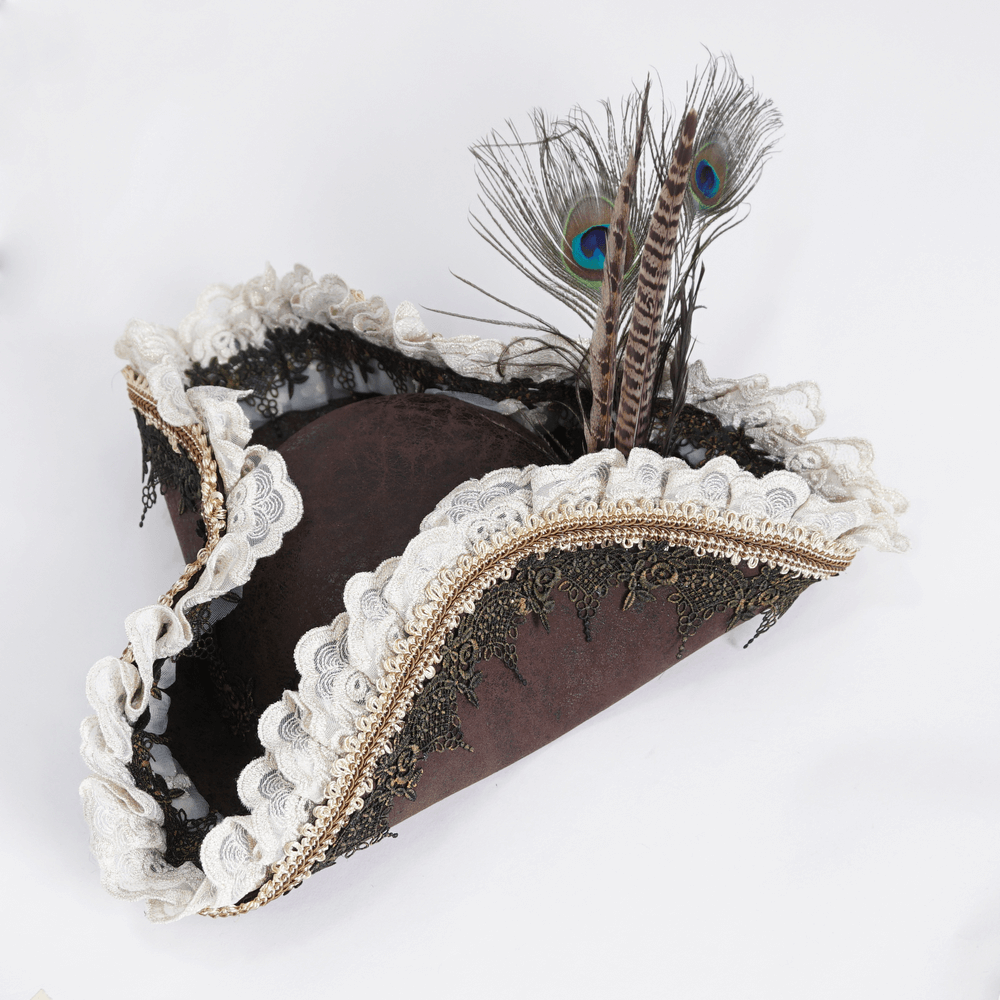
pixel 412 559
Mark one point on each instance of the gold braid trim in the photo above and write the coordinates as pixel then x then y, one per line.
pixel 456 590
pixel 192 441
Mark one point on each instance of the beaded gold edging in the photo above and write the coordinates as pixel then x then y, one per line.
pixel 456 590
pixel 193 442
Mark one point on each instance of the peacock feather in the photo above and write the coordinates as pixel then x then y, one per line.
pixel 612 217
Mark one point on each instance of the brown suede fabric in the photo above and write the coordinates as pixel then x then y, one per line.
pixel 368 474
pixel 569 680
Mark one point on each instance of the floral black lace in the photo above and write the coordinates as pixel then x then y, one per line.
pixel 169 469
pixel 282 362
pixel 284 359
pixel 184 836
pixel 700 587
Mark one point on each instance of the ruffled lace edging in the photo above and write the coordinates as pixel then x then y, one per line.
pixel 126 823
pixel 227 320
pixel 829 493
pixel 309 733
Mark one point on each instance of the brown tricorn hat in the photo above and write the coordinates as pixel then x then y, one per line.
pixel 412 560
pixel 385 561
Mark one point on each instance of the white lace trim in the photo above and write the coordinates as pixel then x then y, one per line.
pixel 779 420
pixel 230 319
pixel 262 504
pixel 342 666
pixel 829 490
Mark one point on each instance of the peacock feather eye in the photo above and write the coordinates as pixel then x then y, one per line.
pixel 708 174
pixel 590 248
pixel 585 240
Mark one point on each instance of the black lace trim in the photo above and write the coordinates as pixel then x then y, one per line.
pixel 700 437
pixel 184 836
pixel 235 696
pixel 163 466
pixel 282 361
pixel 700 587
pixel 286 355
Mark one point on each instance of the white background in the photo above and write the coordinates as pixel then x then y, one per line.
pixel 817 817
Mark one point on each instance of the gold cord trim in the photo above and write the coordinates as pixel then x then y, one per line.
pixel 457 589
pixel 192 441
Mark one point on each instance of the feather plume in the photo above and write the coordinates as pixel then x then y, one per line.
pixel 534 191
pixel 603 343
pixel 570 207
pixel 642 346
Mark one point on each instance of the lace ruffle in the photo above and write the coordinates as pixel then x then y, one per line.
pixel 779 419
pixel 230 319
pixel 828 491
pixel 262 504
pixel 342 666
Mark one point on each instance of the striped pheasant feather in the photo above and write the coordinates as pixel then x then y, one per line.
pixel 604 342
pixel 642 346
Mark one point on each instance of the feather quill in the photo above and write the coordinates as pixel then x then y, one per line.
pixel 641 360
